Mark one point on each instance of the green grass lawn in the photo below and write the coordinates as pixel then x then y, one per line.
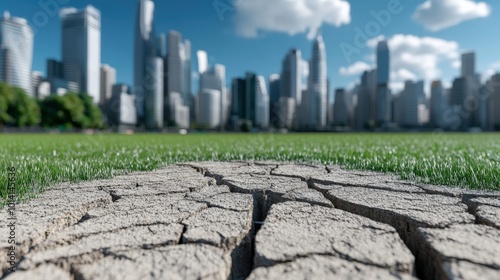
pixel 467 160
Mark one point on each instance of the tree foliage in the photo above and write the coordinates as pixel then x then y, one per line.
pixel 17 108
pixel 68 111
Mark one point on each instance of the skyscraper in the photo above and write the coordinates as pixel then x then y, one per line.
pixel 215 78
pixel 261 103
pixel 144 48
pixel 340 111
pixel 153 93
pixel 210 108
pixel 108 79
pixel 410 105
pixel 16 52
pixel 81 49
pixel 291 82
pixel 468 64
pixel 383 63
pixel 238 104
pixel 363 107
pixel 383 94
pixel 122 113
pixel 438 107
pixel 178 67
pixel 274 97
pixel 318 84
pixel 494 110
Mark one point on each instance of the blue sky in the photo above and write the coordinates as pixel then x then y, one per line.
pixel 254 35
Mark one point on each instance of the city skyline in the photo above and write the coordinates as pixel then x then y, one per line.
pixel 273 42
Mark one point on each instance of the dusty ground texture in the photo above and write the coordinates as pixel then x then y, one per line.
pixel 255 220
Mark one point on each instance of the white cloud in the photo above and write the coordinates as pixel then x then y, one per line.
pixel 440 14
pixel 355 69
pixel 289 16
pixel 415 58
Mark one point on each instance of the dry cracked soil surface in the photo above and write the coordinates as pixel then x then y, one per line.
pixel 255 220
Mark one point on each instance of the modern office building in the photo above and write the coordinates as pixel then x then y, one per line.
pixel 143 48
pixel 340 110
pixel 286 112
pixel 238 98
pixel 438 105
pixel 383 63
pixel 179 114
pixel 318 84
pixel 382 99
pixel 209 107
pixel 462 88
pixel 81 49
pixel 261 103
pixel 161 45
pixel 55 70
pixel 274 100
pixel 383 104
pixel 364 101
pixel 122 113
pixel 215 78
pixel 410 105
pixel 178 68
pixel 153 94
pixel 16 52
pixel 291 80
pixel 36 80
pixel 108 79
pixel 468 64
pixel 494 109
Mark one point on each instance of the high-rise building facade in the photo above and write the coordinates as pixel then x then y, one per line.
pixel 209 102
pixel 108 79
pixel 178 67
pixel 274 100
pixel 153 94
pixel 291 80
pixel 261 103
pixel 81 49
pixel 494 109
pixel 318 85
pixel 121 108
pixel 468 64
pixel 16 52
pixel 143 48
pixel 215 78
pixel 383 63
pixel 340 111
pixel 410 105
pixel 383 95
pixel 438 105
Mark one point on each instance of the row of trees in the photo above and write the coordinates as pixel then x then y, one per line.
pixel 71 110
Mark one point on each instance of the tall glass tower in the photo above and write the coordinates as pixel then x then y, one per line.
pixel 16 52
pixel 144 47
pixel 383 63
pixel 318 84
pixel 81 49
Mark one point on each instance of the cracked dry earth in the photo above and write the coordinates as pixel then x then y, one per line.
pixel 256 220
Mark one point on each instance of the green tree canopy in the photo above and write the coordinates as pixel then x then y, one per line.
pixel 71 111
pixel 17 108
pixel 93 115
